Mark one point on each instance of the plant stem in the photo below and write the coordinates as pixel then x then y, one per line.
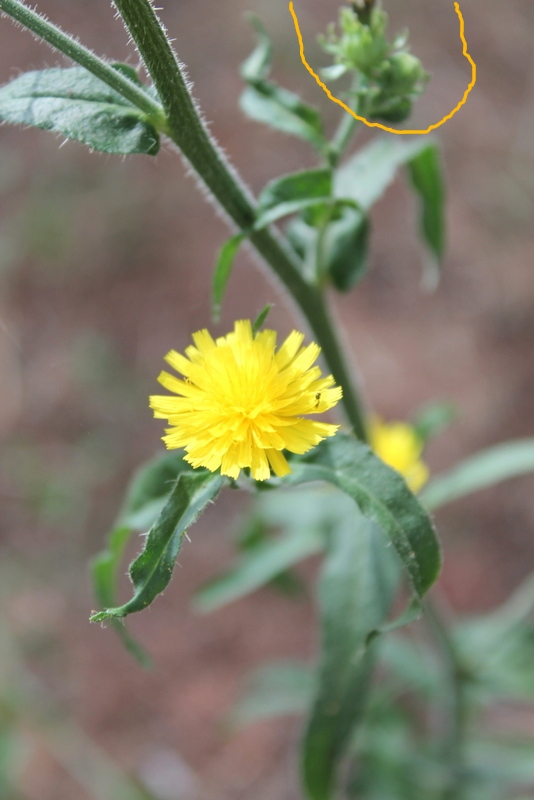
pixel 188 131
pixel 456 712
pixel 346 128
pixel 63 42
pixel 341 138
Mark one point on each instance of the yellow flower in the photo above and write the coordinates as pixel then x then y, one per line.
pixel 400 447
pixel 242 401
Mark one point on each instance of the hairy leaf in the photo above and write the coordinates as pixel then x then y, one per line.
pixel 152 570
pixel 481 471
pixel 382 496
pixel 146 496
pixel 80 106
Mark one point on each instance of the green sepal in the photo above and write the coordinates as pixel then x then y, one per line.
pixel 78 105
pixel 222 272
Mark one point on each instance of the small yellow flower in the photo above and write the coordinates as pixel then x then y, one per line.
pixel 242 401
pixel 400 447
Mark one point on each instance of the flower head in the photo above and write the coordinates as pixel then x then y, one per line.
pixel 243 401
pixel 399 446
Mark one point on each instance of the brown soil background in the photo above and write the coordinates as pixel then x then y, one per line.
pixel 105 263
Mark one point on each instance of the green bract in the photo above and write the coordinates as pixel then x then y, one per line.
pixel 387 77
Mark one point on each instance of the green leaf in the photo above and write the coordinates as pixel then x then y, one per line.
pixel 76 104
pixel 481 471
pixel 257 66
pixel 382 496
pixel 152 570
pixel 150 489
pixel 484 637
pixel 433 419
pixel 258 567
pixel 268 103
pixel 346 249
pixel 147 494
pixel 292 193
pixel 260 319
pixel 367 175
pixel 355 596
pixel 223 270
pixel 104 569
pixel 426 176
pixel 279 689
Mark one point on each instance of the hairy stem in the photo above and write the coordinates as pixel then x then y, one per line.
pixel 188 131
pixel 456 710
pixel 67 45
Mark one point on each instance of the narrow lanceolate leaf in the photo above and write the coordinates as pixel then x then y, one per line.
pixel 382 496
pixel 74 103
pixel 346 249
pixel 260 319
pixel 150 489
pixel 104 568
pixel 481 471
pixel 258 567
pixel 146 496
pixel 355 596
pixel 257 66
pixel 366 176
pixel 427 179
pixel 264 101
pixel 152 570
pixel 223 270
pixel 278 689
pixel 292 193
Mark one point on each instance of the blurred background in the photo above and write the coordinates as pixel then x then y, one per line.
pixel 105 264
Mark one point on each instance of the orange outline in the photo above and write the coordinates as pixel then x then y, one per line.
pixel 378 124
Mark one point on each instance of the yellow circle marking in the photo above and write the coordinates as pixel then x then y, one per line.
pixel 378 124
